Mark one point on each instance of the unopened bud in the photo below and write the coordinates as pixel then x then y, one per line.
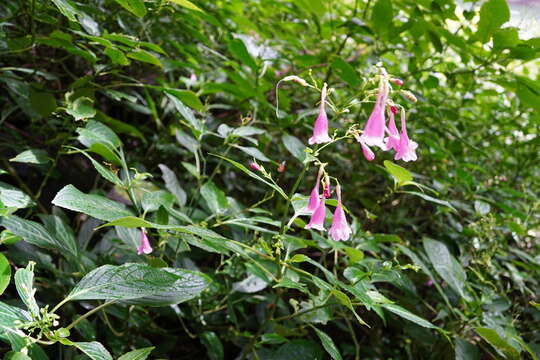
pixel 296 79
pixel 396 81
pixel 254 166
pixel 409 95
pixel 394 110
pixel 281 167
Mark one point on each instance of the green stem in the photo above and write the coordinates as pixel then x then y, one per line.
pixel 94 310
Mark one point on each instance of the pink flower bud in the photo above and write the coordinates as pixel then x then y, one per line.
pixel 254 166
pixel 326 192
pixel 281 167
pixel 398 82
pixel 394 109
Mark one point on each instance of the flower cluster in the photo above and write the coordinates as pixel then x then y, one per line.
pixel 376 133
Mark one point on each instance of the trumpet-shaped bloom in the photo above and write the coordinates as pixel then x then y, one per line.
pixel 392 141
pixel 144 246
pixel 373 134
pixel 407 147
pixel 317 219
pixel 314 197
pixel 368 153
pixel 340 229
pixel 320 130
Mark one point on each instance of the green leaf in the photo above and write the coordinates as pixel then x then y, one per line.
pixel 16 356
pixel 42 102
pixel 253 175
pixel 151 201
pixel 82 108
pixel 214 347
pixel 93 350
pixel 299 350
pixel 136 7
pixel 252 151
pixel 466 351
pixel 116 56
pixel 505 38
pixel 406 314
pixel 67 9
pixel 381 16
pixel 145 56
pixel 10 196
pixel 185 112
pixel 5 273
pixel 346 72
pixel 187 4
pixel 61 231
pixel 172 184
pixel 187 97
pixel 140 284
pixel 495 340
pixel 430 199
pixel 400 175
pixel 239 51
pixel 446 265
pixel 187 141
pixel 96 206
pixel 215 198
pixel 102 170
pixel 493 14
pixel 11 315
pixel 328 344
pixel 32 156
pixel 96 133
pixel 139 354
pixel 36 234
pixel 24 282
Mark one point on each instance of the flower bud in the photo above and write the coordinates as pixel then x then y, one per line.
pixel 409 95
pixel 398 82
pixel 296 79
pixel 254 166
pixel 281 167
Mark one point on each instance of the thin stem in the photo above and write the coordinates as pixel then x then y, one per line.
pixel 94 310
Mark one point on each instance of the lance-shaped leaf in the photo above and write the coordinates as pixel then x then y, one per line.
pixel 151 286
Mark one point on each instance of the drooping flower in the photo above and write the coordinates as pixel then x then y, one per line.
pixel 314 197
pixel 320 129
pixel 326 189
pixel 317 219
pixel 340 229
pixel 368 153
pixel 373 134
pixel 392 141
pixel 254 166
pixel 407 147
pixel 144 246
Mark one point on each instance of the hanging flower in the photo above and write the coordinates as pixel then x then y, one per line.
pixel 339 230
pixel 373 134
pixel 317 219
pixel 392 141
pixel 326 192
pixel 314 196
pixel 407 147
pixel 144 246
pixel 320 130
pixel 368 153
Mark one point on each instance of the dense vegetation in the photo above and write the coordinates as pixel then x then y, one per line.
pixel 165 167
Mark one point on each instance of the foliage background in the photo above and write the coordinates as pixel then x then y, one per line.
pixel 449 268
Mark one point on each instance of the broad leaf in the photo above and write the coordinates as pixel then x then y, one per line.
pixel 32 156
pixel 93 350
pixel 328 344
pixel 24 282
pixel 5 273
pixel 96 206
pixel 139 354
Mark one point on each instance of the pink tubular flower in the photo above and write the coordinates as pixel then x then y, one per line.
pixel 254 166
pixel 314 198
pixel 407 148
pixel 373 134
pixel 392 141
pixel 317 219
pixel 144 247
pixel 340 230
pixel 320 130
